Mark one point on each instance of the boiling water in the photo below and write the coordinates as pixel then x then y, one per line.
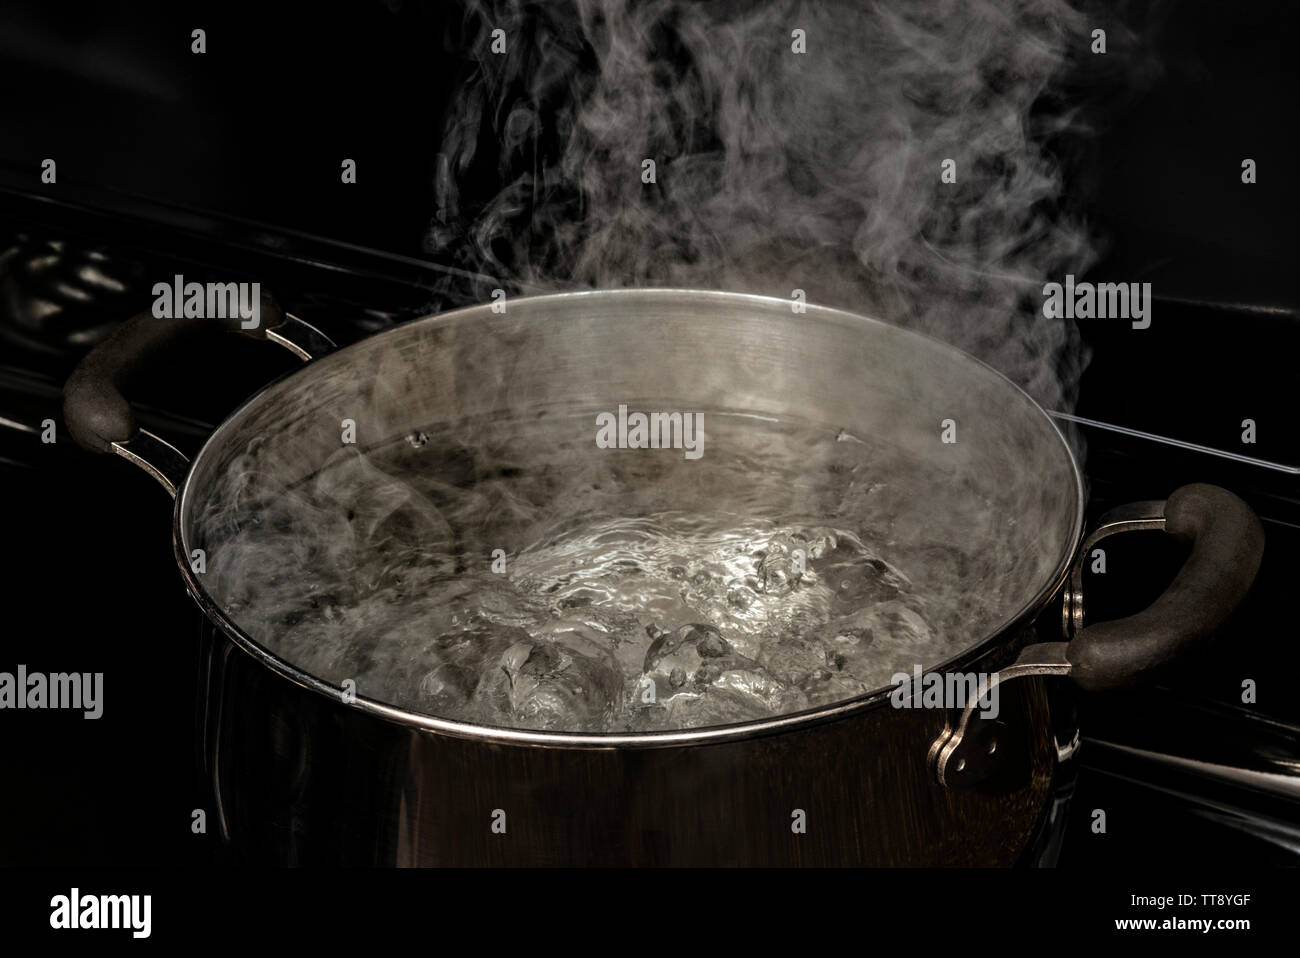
pixel 514 574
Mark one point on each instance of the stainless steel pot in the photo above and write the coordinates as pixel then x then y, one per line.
pixel 304 772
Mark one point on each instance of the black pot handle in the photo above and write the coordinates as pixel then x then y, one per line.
pixel 1227 545
pixel 99 416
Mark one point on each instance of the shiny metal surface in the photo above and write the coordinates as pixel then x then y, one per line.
pixel 1277 777
pixel 964 754
pixel 157 457
pixel 299 781
pixel 303 775
pixel 1132 517
pixel 168 464
pixel 736 350
pixel 302 339
pixel 1212 747
pixel 969 751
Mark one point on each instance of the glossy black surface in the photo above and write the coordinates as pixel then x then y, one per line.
pixel 1187 772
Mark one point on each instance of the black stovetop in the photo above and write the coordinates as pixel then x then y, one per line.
pixel 1187 772
pixel 1184 771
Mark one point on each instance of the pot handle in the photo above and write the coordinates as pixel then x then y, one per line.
pixel 1227 546
pixel 100 418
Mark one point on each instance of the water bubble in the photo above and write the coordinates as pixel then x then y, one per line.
pixel 778 571
pixel 617 578
pixel 740 599
pixel 548 686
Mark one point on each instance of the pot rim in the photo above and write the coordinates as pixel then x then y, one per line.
pixel 654 739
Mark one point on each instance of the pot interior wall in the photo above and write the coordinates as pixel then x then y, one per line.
pixel 1006 489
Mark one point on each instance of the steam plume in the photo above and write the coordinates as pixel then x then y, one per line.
pixel 777 170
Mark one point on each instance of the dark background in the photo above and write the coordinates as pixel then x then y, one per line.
pixel 228 163
pixel 244 145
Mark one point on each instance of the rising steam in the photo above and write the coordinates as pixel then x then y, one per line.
pixel 774 171
pixel 778 170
